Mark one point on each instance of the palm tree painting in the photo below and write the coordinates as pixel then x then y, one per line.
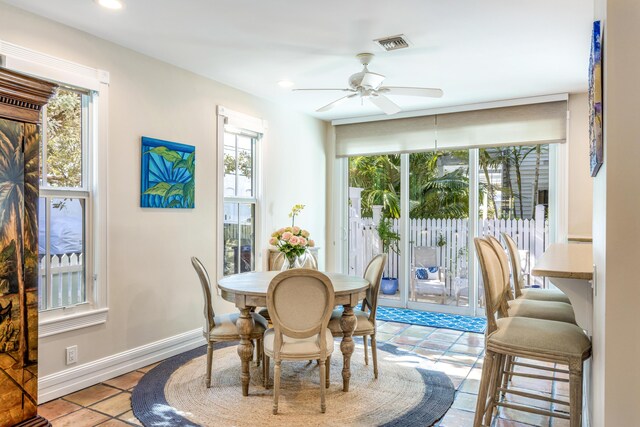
pixel 168 174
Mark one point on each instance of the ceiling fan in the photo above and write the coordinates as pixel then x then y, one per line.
pixel 366 84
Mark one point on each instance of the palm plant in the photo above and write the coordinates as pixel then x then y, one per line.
pixel 18 189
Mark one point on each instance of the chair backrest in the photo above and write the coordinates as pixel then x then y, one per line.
pixel 425 256
pixel 300 302
pixel 516 266
pixel 493 281
pixel 504 262
pixel 373 273
pixel 206 290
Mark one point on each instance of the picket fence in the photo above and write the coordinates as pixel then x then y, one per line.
pixel 66 281
pixel 450 237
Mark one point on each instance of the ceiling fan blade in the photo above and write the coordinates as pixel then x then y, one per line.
pixel 372 80
pixel 334 103
pixel 412 91
pixel 334 89
pixel 385 104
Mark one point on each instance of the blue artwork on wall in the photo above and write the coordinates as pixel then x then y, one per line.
pixel 168 178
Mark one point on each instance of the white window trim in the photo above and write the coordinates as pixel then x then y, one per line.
pixel 240 121
pixel 47 67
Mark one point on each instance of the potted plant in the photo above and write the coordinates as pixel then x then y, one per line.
pixel 389 239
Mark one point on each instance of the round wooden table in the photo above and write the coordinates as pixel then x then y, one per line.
pixel 249 290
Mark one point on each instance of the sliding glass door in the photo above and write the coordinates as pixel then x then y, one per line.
pixel 426 199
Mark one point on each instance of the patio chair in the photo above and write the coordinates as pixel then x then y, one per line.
pixel 426 276
pixel 366 322
pixel 223 328
pixel 525 338
pixel 518 279
pixel 300 302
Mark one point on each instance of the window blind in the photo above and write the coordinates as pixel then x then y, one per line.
pixel 542 123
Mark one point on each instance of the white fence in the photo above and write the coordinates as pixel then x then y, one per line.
pixel 451 237
pixel 67 281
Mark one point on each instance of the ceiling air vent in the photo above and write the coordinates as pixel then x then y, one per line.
pixel 393 42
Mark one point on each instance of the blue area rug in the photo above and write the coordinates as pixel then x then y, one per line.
pixel 435 320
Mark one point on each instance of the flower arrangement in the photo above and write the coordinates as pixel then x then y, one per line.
pixel 292 241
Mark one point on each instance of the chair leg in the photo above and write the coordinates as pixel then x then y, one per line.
pixel 374 356
pixel 276 386
pixel 496 370
pixel 507 367
pixel 328 376
pixel 323 380
pixel 209 362
pixel 258 352
pixel 483 390
pixel 366 350
pixel 575 393
pixel 267 367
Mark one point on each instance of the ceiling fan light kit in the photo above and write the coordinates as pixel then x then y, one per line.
pixel 367 84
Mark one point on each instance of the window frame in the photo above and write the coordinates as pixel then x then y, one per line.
pixel 96 82
pixel 233 121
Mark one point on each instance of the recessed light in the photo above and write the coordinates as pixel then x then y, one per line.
pixel 285 83
pixel 110 4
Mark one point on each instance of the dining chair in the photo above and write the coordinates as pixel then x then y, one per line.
pixel 365 322
pixel 426 276
pixel 300 302
pixel 526 338
pixel 223 327
pixel 518 279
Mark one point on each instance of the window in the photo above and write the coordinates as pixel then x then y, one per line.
pixel 239 163
pixel 65 201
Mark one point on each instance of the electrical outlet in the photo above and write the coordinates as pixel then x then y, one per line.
pixel 72 354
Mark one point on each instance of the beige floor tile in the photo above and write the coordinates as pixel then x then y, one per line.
pixel 465 401
pixel 126 381
pixel 453 369
pixel 405 340
pixel 474 340
pixel 427 352
pixel 82 418
pixel 113 422
pixel 470 386
pixel 392 327
pixel 417 331
pixel 130 418
pixel 383 336
pixel 91 395
pixel 501 422
pixel 149 367
pixel 115 405
pixel 439 336
pixel 524 417
pixel 435 345
pixel 457 418
pixel 464 359
pixel 462 348
pixel 57 408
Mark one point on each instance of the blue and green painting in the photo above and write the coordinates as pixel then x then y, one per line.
pixel 168 179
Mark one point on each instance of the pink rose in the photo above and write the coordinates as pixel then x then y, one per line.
pixel 311 243
pixel 273 241
pixel 303 241
pixel 282 230
pixel 305 233
pixel 286 236
pixel 295 230
pixel 294 240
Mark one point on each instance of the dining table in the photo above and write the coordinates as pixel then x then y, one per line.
pixel 249 290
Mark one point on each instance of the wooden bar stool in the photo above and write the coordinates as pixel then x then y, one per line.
pixel 527 338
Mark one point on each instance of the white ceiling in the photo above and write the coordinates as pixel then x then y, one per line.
pixel 475 50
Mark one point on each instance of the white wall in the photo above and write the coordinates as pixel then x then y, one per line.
pixel 580 184
pixel 153 290
pixel 616 228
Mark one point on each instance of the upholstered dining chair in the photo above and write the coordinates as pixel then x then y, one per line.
pixel 223 328
pixel 366 321
pixel 527 338
pixel 300 302
pixel 518 279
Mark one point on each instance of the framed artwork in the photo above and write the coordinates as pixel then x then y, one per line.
pixel 596 149
pixel 167 174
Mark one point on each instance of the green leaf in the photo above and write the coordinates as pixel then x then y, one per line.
pixel 176 189
pixel 188 193
pixel 186 164
pixel 169 155
pixel 160 189
pixel 174 204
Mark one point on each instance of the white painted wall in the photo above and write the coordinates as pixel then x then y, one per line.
pixel 153 290
pixel 616 228
pixel 580 184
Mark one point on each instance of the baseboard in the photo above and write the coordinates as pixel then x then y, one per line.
pixel 73 379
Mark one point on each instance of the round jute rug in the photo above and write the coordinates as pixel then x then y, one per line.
pixel 405 394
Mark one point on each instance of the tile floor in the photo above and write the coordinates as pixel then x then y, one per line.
pixel 458 354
